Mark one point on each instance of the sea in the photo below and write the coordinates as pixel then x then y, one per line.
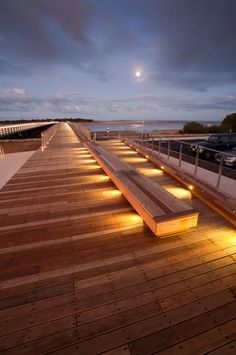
pixel 140 126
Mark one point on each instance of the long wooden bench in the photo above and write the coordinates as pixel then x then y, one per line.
pixel 162 212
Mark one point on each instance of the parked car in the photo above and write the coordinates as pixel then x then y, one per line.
pixel 228 160
pixel 221 142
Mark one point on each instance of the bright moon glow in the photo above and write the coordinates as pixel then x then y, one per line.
pixel 138 74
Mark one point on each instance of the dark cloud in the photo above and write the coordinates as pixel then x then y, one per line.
pixel 37 33
pixel 185 43
pixel 174 102
pixel 193 42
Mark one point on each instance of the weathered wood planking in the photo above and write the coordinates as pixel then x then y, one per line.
pixel 101 282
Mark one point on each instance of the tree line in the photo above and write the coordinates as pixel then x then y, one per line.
pixel 35 120
pixel 228 125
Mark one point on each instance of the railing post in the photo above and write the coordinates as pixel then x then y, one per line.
pixel 152 143
pixel 42 145
pixel 1 152
pixel 196 162
pixel 159 148
pixel 180 153
pixel 220 171
pixel 168 150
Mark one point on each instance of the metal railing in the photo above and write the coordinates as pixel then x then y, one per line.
pixel 82 131
pixel 9 129
pixel 2 153
pixel 180 152
pixel 47 136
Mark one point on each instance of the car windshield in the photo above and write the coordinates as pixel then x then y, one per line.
pixel 213 139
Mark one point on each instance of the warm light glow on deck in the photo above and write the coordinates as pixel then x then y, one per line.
pixel 117 143
pixel 83 150
pixel 87 161
pixel 130 152
pixel 135 160
pixel 90 166
pixel 85 155
pixel 112 193
pixel 179 192
pixel 150 171
pixel 130 218
pixel 101 178
pixel 121 148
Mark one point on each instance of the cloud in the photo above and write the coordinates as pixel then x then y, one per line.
pixel 41 33
pixel 76 104
pixel 186 43
pixel 15 92
pixel 193 42
pixel 72 109
pixel 152 103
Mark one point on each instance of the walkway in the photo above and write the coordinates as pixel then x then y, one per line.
pixel 81 274
pixel 10 164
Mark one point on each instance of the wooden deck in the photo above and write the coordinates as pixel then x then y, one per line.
pixel 82 274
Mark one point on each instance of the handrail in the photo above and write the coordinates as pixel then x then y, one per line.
pixel 2 153
pixel 181 154
pixel 47 135
pixel 8 129
pixel 83 132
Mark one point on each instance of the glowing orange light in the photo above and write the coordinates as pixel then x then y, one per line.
pixel 112 193
pixel 102 178
pixel 150 171
pixel 179 192
pixel 190 187
pixel 130 218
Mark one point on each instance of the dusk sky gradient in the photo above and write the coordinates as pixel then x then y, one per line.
pixel 77 58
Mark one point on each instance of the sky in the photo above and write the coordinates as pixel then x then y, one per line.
pixel 78 58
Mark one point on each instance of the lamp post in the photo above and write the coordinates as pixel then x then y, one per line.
pixel 138 75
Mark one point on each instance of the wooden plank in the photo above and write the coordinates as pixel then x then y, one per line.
pixel 183 333
pixel 229 349
pixel 36 332
pixel 207 341
pixel 35 296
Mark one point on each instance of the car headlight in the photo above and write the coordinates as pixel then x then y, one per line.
pixel 230 159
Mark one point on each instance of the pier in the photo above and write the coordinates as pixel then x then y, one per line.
pixel 81 273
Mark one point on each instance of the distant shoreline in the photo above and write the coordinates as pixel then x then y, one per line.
pixel 141 122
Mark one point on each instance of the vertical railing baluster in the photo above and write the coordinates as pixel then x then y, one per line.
pixel 196 162
pixel 220 171
pixel 180 153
